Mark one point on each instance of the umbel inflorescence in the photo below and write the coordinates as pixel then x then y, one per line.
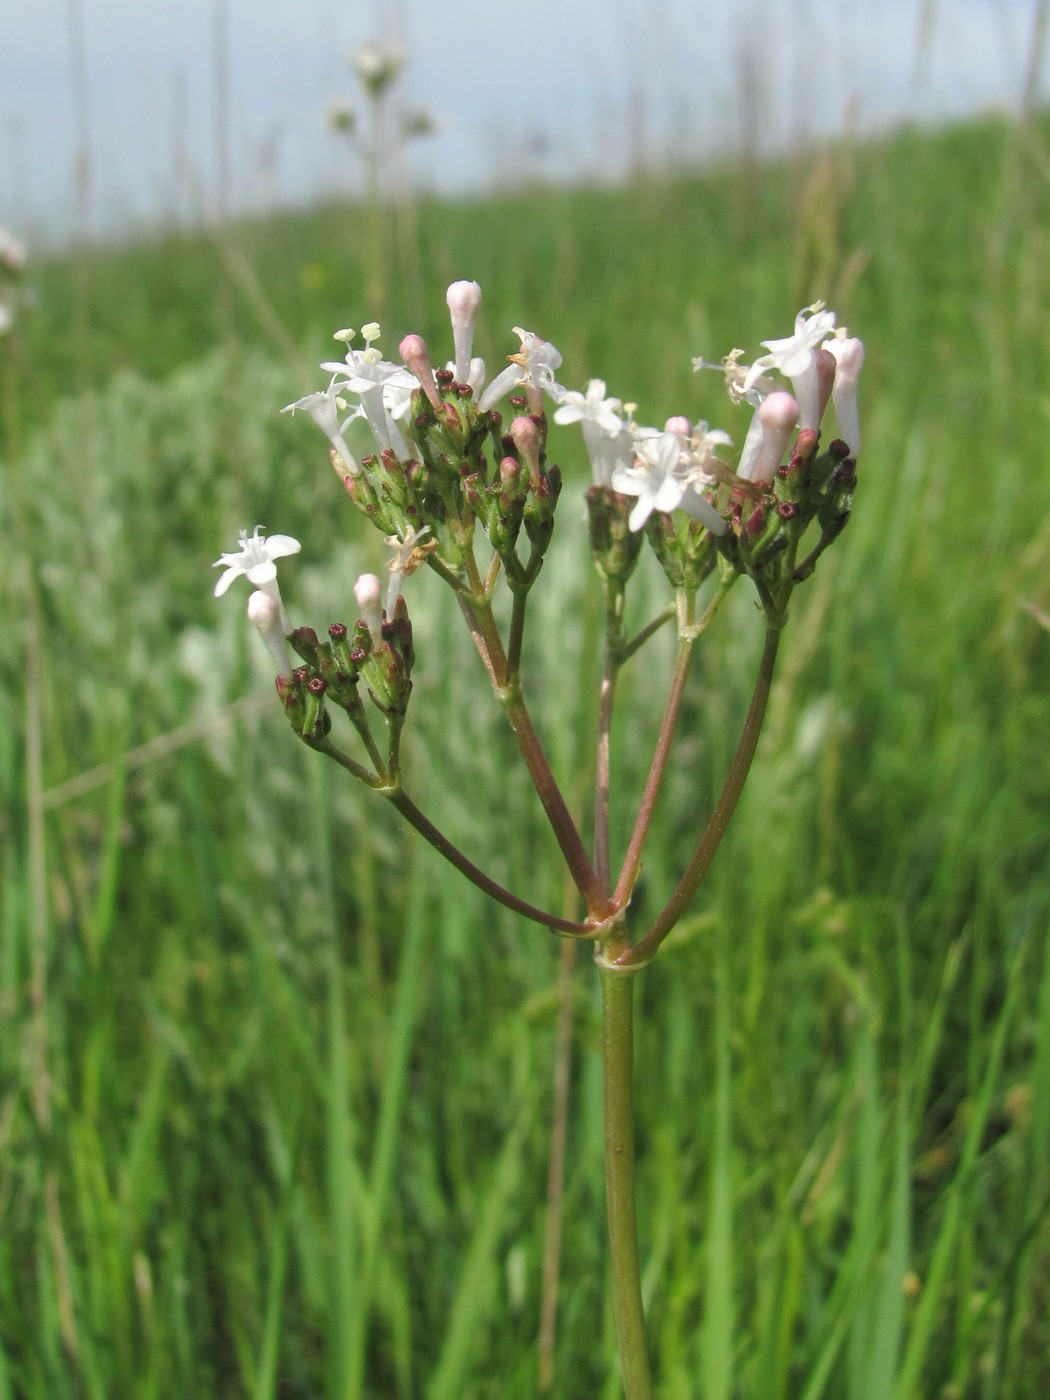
pixel 457 489
pixel 459 481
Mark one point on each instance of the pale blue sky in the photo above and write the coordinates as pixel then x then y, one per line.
pixel 556 87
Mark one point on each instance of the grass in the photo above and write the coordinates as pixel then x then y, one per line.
pixel 275 1086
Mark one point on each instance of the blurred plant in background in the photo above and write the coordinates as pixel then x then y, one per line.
pixel 380 144
pixel 12 270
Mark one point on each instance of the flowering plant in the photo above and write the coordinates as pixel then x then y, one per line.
pixel 12 268
pixel 457 490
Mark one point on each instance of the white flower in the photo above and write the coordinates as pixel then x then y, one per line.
pixel 531 368
pixel 607 438
pixel 792 354
pixel 590 407
pixel 324 409
pixel 698 451
pixel 793 357
pixel 652 478
pixel 409 555
pixel 662 482
pixel 255 561
pixel 385 389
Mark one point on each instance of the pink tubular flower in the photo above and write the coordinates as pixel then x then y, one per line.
pixel 464 301
pixel 849 357
pixel 417 358
pixel 767 440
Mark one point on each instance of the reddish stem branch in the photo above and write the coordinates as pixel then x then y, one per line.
pixel 646 947
pixel 632 860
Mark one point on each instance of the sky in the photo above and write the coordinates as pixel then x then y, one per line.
pixel 115 115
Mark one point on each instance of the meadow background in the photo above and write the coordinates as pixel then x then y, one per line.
pixel 276 1087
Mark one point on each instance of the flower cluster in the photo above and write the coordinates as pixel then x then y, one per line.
pixel 443 464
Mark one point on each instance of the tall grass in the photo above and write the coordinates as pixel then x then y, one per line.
pixel 275 1086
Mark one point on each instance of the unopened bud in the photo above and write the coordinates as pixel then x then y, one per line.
pixel 416 356
pixel 526 439
pixel 264 612
pixel 768 437
pixel 369 593
pixel 825 363
pixel 679 425
pixel 464 300
pixel 849 357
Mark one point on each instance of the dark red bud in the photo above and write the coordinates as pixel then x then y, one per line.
pixel 317 686
pixel 337 631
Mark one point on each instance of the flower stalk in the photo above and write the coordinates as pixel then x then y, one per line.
pixel 624 1261
pixel 445 479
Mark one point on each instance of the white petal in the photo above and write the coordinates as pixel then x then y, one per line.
pixel 669 494
pixel 262 573
pixel 277 546
pixel 226 579
pixel 641 512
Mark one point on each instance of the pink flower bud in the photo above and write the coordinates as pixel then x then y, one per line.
pixel 825 363
pixel 766 445
pixel 417 358
pixel 849 357
pixel 679 425
pixel 527 440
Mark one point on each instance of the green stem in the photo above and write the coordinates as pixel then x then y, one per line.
pixel 394 794
pixel 496 891
pixel 614 604
pixel 661 620
pixel 618 1058
pixel 373 780
pixel 516 635
pixel 646 947
pixel 601 774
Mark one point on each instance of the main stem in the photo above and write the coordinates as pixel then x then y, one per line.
pixel 618 1060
